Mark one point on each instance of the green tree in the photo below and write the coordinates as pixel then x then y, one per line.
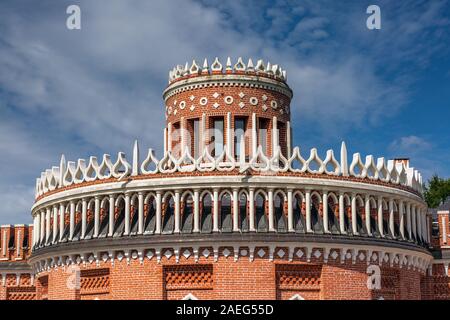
pixel 436 191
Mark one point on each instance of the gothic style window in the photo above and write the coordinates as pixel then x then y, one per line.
pixel 239 134
pixel 217 137
pixel 225 213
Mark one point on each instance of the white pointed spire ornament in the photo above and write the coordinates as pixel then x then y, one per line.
pixel 135 166
pixel 344 161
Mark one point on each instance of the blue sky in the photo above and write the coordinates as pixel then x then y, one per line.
pixel 86 92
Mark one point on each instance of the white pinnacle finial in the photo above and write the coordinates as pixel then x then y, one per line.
pixel 250 66
pixel 135 168
pixel 205 65
pixel 228 68
pixel 344 161
pixel 62 169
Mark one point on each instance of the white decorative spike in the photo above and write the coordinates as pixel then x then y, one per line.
pixel 277 159
pixel 168 163
pixel 383 173
pixel 216 66
pixel 228 66
pixel 239 66
pixel 259 162
pixel 269 68
pixel 121 163
pixel 149 159
pixel 194 69
pixel 344 161
pixel 260 67
pixel 357 164
pixel 62 170
pixel 330 159
pixel 79 172
pixel 206 162
pixel 284 75
pixel 70 171
pixel 186 163
pixel 225 162
pixel 135 167
pixel 371 168
pixel 92 169
pixel 296 156
pixel 205 68
pixel 314 157
pixel 250 66
pixel 105 170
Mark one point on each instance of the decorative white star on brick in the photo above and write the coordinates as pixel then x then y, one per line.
pixel 216 105
pixel 241 104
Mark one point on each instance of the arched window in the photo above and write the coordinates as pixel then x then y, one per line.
pixel 226 220
pixel 298 213
pixel 333 214
pixel 134 215
pixel 104 218
pixel 374 229
pixel 316 219
pixel 119 217
pixel 360 217
pixel 243 214
pixel 280 217
pixel 168 215
pixel 150 214
pixel 206 213
pixel 261 218
pixel 187 213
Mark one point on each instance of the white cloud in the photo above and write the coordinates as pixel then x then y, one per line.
pixel 98 89
pixel 410 145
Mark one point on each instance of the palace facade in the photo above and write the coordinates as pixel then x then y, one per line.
pixel 230 211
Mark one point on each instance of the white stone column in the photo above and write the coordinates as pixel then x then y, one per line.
pixel 42 214
pixel 158 212
pixel 271 216
pixel 55 223
pixel 96 216
pixel 176 199
pixel 235 210
pixel 401 213
pixel 254 135
pixel 408 220
pixel 47 225
pixel 216 210
pixel 419 222
pixel 275 140
pixel 127 214
pixel 391 217
pixel 140 212
pixel 72 220
pixel 251 205
pixel 62 213
pixel 380 216
pixel 112 208
pixel 354 224
pixel 196 211
pixel 308 210
pixel 290 212
pixel 341 214
pixel 83 218
pixel 367 213
pixel 36 229
pixel 325 212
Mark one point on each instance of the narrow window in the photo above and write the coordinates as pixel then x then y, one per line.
pixel 239 134
pixel 217 137
pixel 262 134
